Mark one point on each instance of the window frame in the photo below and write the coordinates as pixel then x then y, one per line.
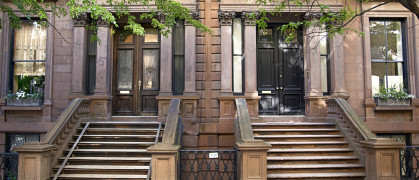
pixel 178 84
pixel 409 48
pixel 404 49
pixel 12 62
pixel 328 71
pixel 242 55
pixel 90 64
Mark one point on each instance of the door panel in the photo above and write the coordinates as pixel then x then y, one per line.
pixel 136 74
pixel 280 75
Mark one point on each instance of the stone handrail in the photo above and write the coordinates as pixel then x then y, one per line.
pixel 65 125
pixel 164 155
pixel 350 124
pixel 252 159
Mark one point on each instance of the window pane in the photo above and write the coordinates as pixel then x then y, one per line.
pixel 323 44
pixel 30 42
pixel 125 67
pixel 178 74
pixel 394 76
pixel 265 35
pixel 323 72
pixel 126 36
pixel 151 35
pixel 150 69
pixel 237 36
pixel 394 40
pixel 377 39
pixel 18 139
pixel 29 68
pixel 237 74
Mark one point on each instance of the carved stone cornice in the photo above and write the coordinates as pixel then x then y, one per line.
pixel 312 16
pixel 195 15
pixel 248 18
pixel 162 17
pixel 102 23
pixel 226 18
pixel 81 20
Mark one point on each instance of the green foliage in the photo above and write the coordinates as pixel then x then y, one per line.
pixel 392 93
pixel 111 12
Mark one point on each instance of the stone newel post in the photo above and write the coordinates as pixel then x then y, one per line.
pixel 34 161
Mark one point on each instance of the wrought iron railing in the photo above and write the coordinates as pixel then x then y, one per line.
pixel 208 164
pixel 8 166
pixel 409 163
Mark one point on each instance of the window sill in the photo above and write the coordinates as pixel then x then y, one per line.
pixel 22 108
pixel 394 108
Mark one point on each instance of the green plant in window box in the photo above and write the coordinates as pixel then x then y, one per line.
pixel 393 96
pixel 22 98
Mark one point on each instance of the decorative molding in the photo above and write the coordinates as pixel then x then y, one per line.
pixel 102 23
pixel 310 16
pixel 247 20
pixel 162 17
pixel 81 20
pixel 226 18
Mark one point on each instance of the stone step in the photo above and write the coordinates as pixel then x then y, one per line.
pixel 102 167
pixel 314 158
pixel 99 143
pixel 297 136
pixel 308 144
pixel 312 150
pixel 291 125
pixel 314 166
pixel 109 150
pixel 121 122
pixel 142 159
pixel 298 130
pixel 134 118
pixel 102 176
pixel 333 176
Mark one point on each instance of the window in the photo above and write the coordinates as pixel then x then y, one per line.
pixel 178 58
pixel 90 64
pixel 324 63
pixel 28 62
pixel 17 139
pixel 387 56
pixel 237 56
pixel 399 137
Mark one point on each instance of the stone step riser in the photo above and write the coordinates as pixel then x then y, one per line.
pixel 320 170
pixel 110 163
pixel 120 139
pixel 95 171
pixel 296 133
pixel 294 126
pixel 111 146
pixel 302 139
pixel 273 154
pixel 124 126
pixel 310 146
pixel 304 162
pixel 323 178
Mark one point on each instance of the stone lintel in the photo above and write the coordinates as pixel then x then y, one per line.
pixel 255 145
pixel 34 147
pixel 162 148
pixel 382 143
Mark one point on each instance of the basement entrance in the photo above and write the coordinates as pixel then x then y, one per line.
pixel 136 65
pixel 280 71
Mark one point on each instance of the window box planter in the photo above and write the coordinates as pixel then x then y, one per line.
pixel 392 102
pixel 25 102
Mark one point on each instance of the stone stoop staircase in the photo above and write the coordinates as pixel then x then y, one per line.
pixel 111 150
pixel 308 151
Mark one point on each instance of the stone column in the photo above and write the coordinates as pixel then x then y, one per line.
pixel 79 56
pixel 312 51
pixel 226 22
pixel 382 159
pixel 34 161
pixel 190 56
pixel 337 65
pixel 103 59
pixel 250 56
pixel 166 63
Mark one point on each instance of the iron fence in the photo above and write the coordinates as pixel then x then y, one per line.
pixel 8 166
pixel 208 165
pixel 409 163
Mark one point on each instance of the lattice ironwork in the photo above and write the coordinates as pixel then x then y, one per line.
pixel 17 139
pixel 8 166
pixel 208 164
pixel 399 137
pixel 409 163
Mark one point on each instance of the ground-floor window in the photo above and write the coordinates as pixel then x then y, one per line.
pixel 17 139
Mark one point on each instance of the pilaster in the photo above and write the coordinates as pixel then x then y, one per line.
pixel 79 56
pixel 312 51
pixel 226 19
pixel 190 58
pixel 337 69
pixel 166 62
pixel 250 54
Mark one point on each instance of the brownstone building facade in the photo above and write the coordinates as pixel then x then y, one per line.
pixel 129 77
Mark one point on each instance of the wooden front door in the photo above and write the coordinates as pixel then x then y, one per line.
pixel 136 73
pixel 280 73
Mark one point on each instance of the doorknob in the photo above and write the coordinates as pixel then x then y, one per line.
pixel 280 88
pixel 139 84
pixel 277 88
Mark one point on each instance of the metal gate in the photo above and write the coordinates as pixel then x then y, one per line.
pixel 8 166
pixel 207 165
pixel 409 163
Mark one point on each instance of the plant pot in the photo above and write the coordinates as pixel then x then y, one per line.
pixel 393 102
pixel 25 102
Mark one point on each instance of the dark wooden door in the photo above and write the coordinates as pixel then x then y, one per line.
pixel 136 73
pixel 280 73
